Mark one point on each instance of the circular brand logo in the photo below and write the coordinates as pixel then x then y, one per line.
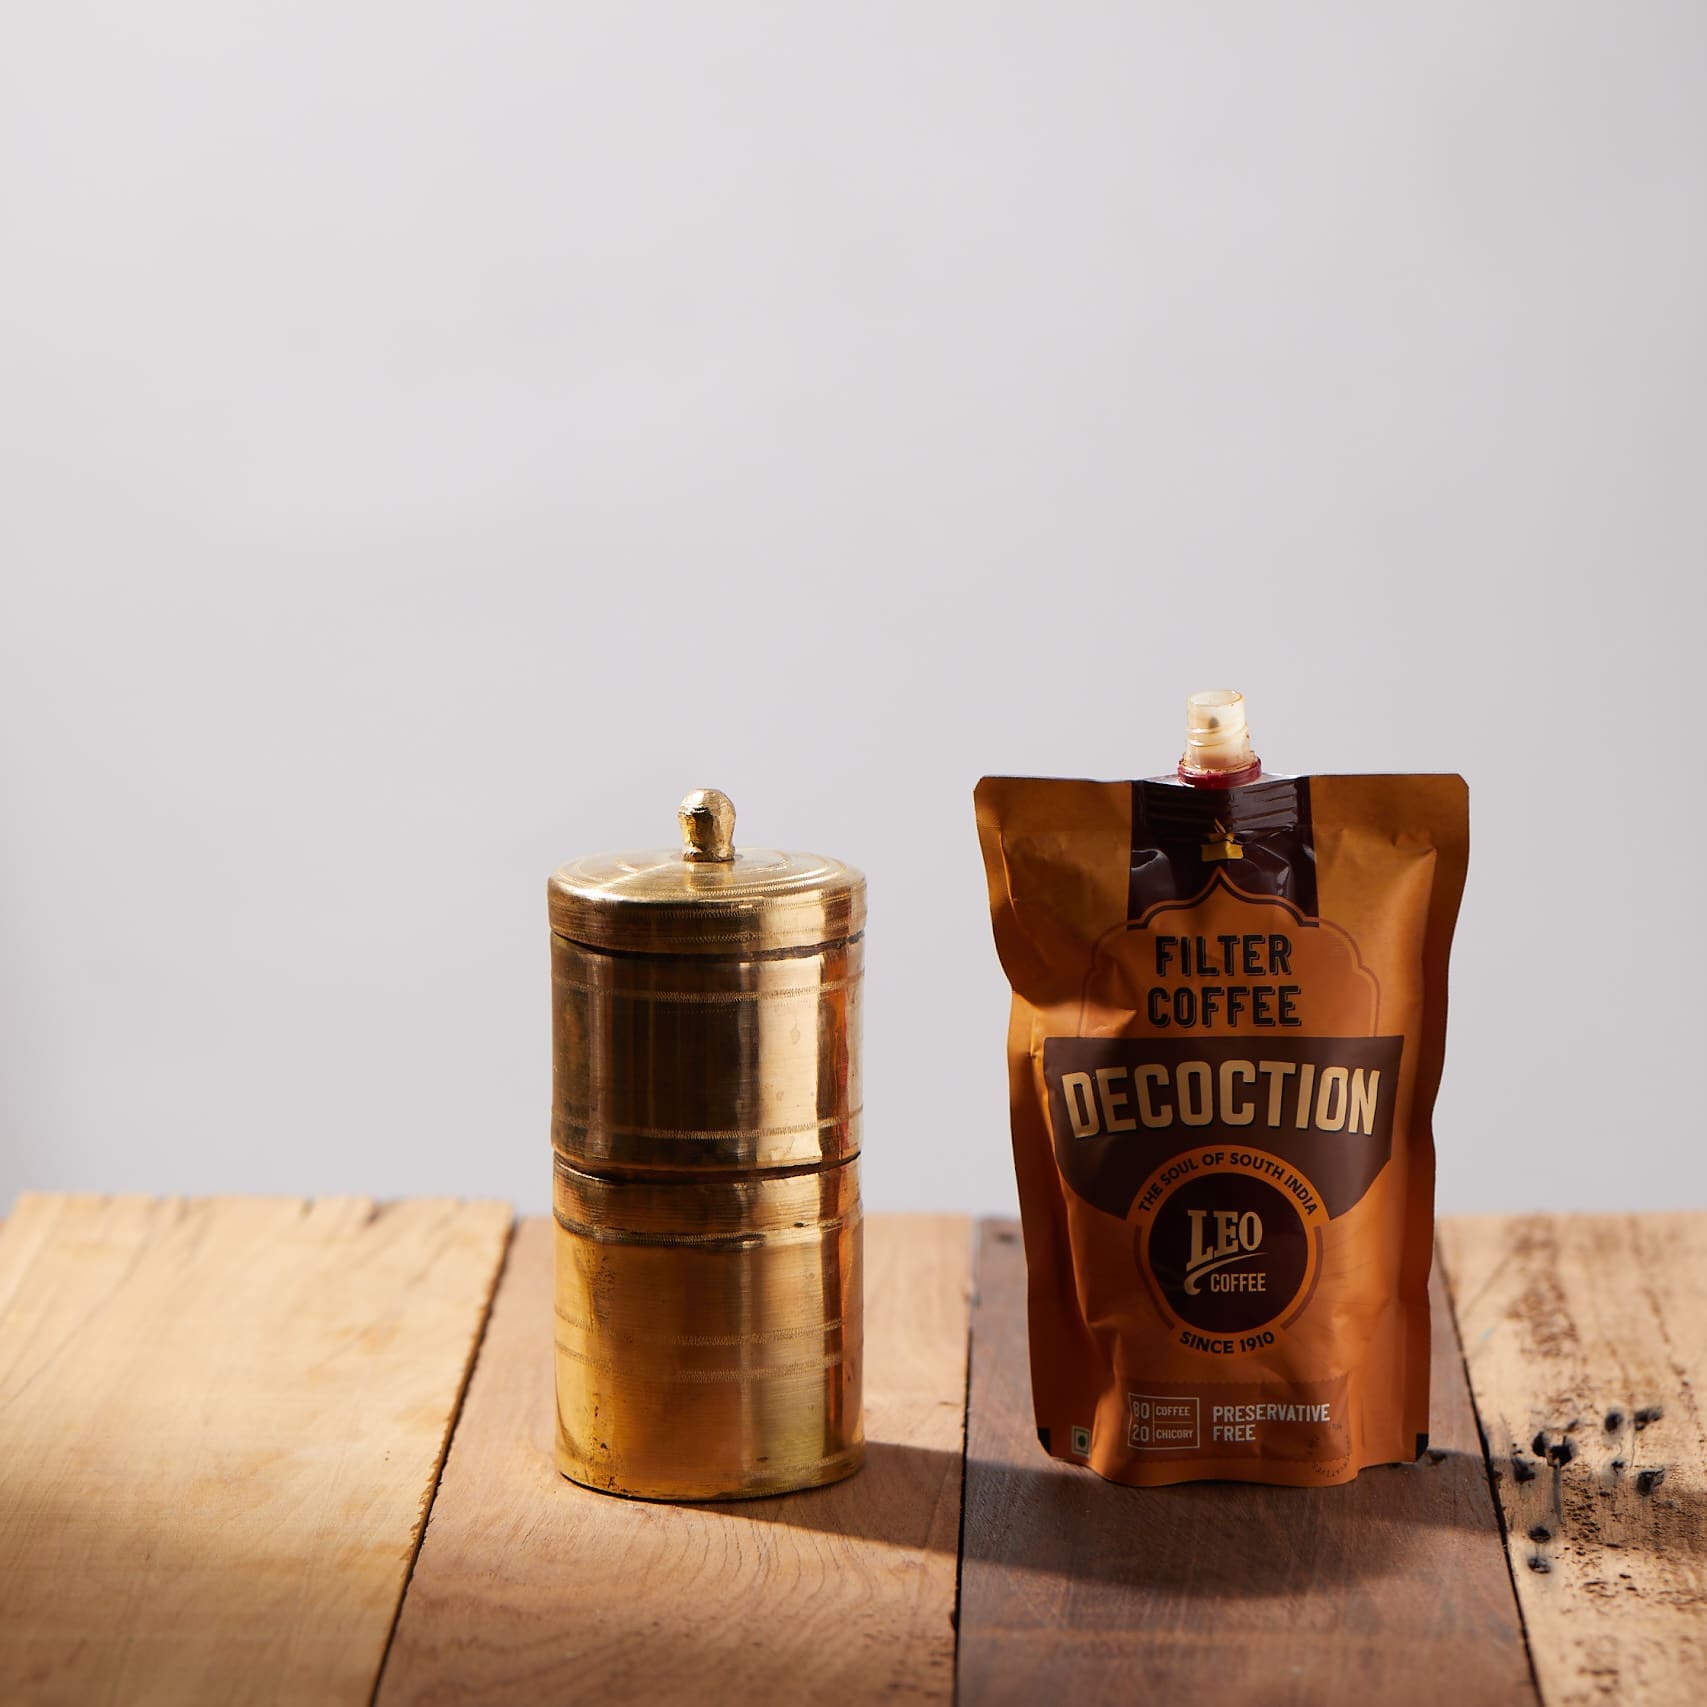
pixel 1228 1251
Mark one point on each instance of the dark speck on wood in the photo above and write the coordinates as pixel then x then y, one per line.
pixel 1648 1480
pixel 1561 1454
pixel 1649 1414
pixel 1539 1444
pixel 1537 1563
pixel 1614 1420
pixel 1522 1470
pixel 1541 1533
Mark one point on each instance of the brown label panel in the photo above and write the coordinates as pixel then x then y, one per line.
pixel 1121 1107
pixel 1229 1252
pixel 1304 1421
pixel 1268 822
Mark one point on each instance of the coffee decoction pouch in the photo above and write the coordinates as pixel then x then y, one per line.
pixel 1229 1014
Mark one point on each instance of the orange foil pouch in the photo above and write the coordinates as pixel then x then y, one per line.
pixel 1229 1010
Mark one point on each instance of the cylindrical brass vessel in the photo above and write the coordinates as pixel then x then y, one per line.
pixel 686 1062
pixel 708 1332
pixel 705 1123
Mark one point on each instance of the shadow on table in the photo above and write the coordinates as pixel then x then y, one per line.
pixel 1056 1520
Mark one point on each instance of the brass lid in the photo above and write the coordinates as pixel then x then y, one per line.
pixel 707 896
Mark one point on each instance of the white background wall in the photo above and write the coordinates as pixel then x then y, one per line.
pixel 433 437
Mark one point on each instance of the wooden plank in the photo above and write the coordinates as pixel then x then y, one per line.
pixel 1391 1588
pixel 220 1424
pixel 531 1589
pixel 1586 1343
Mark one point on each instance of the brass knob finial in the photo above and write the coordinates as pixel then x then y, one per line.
pixel 708 825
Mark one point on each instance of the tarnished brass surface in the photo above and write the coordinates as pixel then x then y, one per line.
pixel 674 1061
pixel 709 1335
pixel 707 818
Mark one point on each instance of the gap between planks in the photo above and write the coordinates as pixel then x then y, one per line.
pixel 432 1493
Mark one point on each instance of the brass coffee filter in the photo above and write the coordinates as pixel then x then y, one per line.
pixel 706 1124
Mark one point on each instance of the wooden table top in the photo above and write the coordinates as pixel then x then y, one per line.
pixel 271 1450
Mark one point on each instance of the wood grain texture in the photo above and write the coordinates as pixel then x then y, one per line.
pixel 220 1424
pixel 1586 1341
pixel 1391 1588
pixel 529 1589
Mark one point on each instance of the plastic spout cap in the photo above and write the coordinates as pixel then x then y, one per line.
pixel 1217 742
